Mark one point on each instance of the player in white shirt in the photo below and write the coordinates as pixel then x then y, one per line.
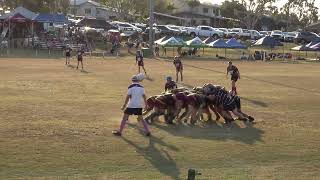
pixel 133 105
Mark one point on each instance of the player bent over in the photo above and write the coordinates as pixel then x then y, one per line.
pixel 170 84
pixel 133 105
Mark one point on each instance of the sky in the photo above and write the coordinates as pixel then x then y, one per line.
pixel 278 3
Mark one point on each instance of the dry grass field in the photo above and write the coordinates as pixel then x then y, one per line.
pixel 56 123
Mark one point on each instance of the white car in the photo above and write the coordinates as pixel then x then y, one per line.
pixel 239 32
pixel 277 34
pixel 123 26
pixel 289 36
pixel 205 31
pixel 255 34
pixel 225 31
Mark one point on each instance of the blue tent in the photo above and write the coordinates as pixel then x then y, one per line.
pixel 314 42
pixel 219 43
pixel 50 18
pixel 268 41
pixel 233 43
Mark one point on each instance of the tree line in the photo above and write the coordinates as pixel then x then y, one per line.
pixel 294 14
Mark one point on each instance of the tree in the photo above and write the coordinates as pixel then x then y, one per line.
pixel 305 10
pixel 39 5
pixel 255 9
pixel 228 9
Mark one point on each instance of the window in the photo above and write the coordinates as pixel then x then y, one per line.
pixel 205 10
pixel 205 28
pixel 87 11
pixel 98 12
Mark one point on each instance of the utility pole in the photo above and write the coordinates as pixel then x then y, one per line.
pixel 151 22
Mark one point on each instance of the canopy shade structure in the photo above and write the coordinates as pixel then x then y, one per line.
pixel 233 43
pixel 316 47
pixel 50 18
pixel 20 14
pixel 268 41
pixel 196 43
pixel 301 48
pixel 209 40
pixel 161 40
pixel 219 43
pixel 314 42
pixel 172 42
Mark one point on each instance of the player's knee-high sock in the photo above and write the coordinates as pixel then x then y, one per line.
pixel 145 125
pixel 122 125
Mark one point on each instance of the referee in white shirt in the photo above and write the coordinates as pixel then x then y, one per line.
pixel 133 105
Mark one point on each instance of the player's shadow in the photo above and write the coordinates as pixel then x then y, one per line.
pixel 255 102
pixel 84 72
pixel 149 78
pixel 247 134
pixel 71 66
pixel 156 154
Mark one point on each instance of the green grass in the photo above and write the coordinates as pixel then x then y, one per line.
pixel 56 123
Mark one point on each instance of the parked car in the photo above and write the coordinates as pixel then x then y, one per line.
pixel 264 33
pixel 141 26
pixel 225 31
pixel 156 30
pixel 240 33
pixel 182 31
pixel 254 34
pixel 305 37
pixel 205 31
pixel 167 30
pixel 277 34
pixel 126 26
pixel 289 36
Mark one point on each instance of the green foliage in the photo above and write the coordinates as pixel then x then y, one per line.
pixel 193 3
pixel 39 5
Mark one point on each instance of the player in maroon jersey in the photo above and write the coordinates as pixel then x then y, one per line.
pixel 170 84
pixel 139 61
pixel 235 75
pixel 179 68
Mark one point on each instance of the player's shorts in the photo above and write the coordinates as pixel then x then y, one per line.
pixel 133 111
pixel 160 104
pixel 229 107
pixel 68 54
pixel 238 102
pixel 234 78
pixel 179 68
pixel 80 58
pixel 140 63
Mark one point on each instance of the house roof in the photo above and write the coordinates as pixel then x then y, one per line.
pixel 80 2
pixel 20 10
pixel 169 16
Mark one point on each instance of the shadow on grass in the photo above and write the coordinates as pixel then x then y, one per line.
pixel 254 79
pixel 149 78
pixel 158 156
pixel 71 66
pixel 255 102
pixel 248 134
pixel 84 72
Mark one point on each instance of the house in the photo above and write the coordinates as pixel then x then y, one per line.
pixel 91 9
pixel 200 14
